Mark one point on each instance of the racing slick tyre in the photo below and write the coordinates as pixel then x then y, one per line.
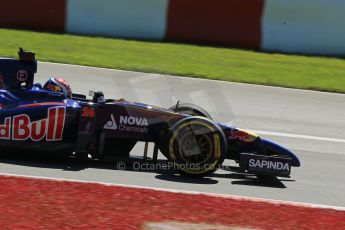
pixel 191 109
pixel 196 146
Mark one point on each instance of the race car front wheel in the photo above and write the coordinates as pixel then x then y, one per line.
pixel 191 109
pixel 196 146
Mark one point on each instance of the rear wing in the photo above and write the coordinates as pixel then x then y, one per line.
pixel 15 74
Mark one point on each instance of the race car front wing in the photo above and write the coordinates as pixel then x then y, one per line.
pixel 265 165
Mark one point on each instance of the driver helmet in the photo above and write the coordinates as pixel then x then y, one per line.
pixel 58 85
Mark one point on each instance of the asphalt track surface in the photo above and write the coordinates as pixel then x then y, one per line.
pixel 312 124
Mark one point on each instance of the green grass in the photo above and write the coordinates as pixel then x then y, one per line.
pixel 317 73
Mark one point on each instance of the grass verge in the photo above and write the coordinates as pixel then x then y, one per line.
pixel 293 71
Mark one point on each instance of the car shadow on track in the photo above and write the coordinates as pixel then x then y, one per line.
pixel 183 179
pixel 252 180
pixel 68 163
pixel 53 161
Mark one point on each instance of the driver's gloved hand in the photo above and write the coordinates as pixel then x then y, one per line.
pixel 98 97
pixel 101 100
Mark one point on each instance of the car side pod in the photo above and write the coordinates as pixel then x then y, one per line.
pixel 265 165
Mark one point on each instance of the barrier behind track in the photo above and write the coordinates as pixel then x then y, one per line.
pixel 304 26
pixel 296 26
pixel 143 19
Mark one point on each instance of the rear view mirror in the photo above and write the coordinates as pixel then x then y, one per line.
pixel 91 93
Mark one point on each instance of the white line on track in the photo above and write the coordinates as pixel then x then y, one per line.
pixel 254 199
pixel 269 133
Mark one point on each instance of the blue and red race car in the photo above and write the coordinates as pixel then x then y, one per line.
pixel 34 119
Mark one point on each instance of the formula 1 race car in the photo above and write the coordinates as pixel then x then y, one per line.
pixel 33 119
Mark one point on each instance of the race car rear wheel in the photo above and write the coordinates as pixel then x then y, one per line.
pixel 196 146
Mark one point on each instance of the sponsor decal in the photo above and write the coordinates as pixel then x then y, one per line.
pixel 243 135
pixel 22 75
pixel 128 124
pixel 5 129
pixel 129 120
pixel 111 124
pixel 88 112
pixel 21 128
pixel 267 164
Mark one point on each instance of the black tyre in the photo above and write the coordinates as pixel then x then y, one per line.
pixel 191 109
pixel 196 146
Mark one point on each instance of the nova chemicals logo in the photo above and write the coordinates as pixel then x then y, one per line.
pixel 128 124
pixel 138 121
pixel 111 124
